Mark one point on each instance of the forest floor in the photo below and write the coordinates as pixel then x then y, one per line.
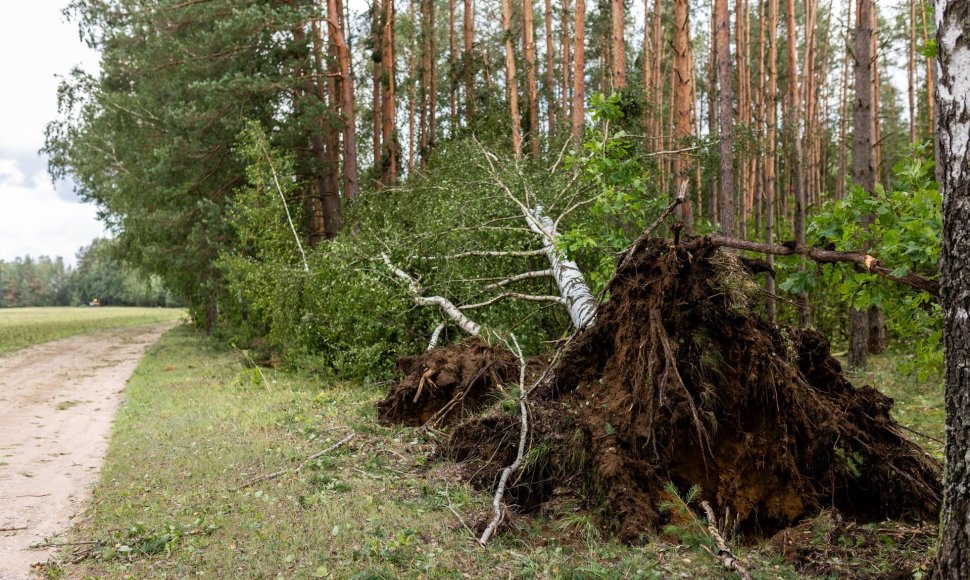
pixel 185 490
pixel 57 402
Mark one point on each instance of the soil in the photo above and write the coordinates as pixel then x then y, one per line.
pixel 680 381
pixel 57 403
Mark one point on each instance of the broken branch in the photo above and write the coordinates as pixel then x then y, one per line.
pixel 822 256
pixel 518 296
pixel 520 455
pixel 276 474
pixel 446 305
pixel 723 553
pixel 518 278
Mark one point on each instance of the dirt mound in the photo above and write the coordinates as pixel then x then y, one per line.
pixel 446 383
pixel 678 381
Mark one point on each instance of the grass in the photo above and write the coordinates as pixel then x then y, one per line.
pixel 20 327
pixel 199 423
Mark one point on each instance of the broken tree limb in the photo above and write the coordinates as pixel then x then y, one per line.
pixel 435 336
pixel 822 256
pixel 517 296
pixel 723 552
pixel 453 312
pixel 497 500
pixel 518 278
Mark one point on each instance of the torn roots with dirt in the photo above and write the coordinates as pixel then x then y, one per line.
pixel 677 381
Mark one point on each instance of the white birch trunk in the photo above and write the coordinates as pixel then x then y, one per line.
pixel 572 285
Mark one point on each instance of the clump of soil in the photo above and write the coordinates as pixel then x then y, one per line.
pixel 677 380
pixel 456 379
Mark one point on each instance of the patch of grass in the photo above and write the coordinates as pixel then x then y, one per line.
pixel 192 432
pixel 65 405
pixel 20 327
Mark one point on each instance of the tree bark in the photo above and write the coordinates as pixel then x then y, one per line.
pixel 351 179
pixel 725 115
pixel 388 114
pixel 843 100
pixel 452 63
pixel 468 56
pixel 528 32
pixel 377 51
pixel 550 71
pixel 863 166
pixel 579 73
pixel 682 105
pixel 793 128
pixel 953 173
pixel 618 50
pixel 771 123
pixel 511 85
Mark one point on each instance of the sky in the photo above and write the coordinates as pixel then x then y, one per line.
pixel 36 217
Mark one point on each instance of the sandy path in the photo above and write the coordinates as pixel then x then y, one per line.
pixel 57 403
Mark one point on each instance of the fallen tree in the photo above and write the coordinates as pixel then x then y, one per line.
pixel 675 380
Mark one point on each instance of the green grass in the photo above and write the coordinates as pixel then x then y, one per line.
pixel 200 422
pixel 20 327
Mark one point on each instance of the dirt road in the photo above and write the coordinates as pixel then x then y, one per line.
pixel 57 403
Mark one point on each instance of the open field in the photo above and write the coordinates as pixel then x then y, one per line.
pixel 200 423
pixel 20 327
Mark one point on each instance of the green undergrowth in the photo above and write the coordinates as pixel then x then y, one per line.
pixel 21 327
pixel 198 424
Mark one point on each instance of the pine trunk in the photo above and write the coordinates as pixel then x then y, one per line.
pixel 863 163
pixel 528 33
pixel 771 123
pixel 682 108
pixel 347 101
pixel 579 73
pixel 511 85
pixel 468 56
pixel 618 50
pixel 550 71
pixel 725 115
pixel 377 51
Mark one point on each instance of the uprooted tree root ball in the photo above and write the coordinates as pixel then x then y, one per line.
pixel 678 381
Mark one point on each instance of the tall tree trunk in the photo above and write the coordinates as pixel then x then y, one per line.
pixel 930 75
pixel 469 33
pixel 388 116
pixel 910 69
pixel 579 73
pixel 413 72
pixel 794 131
pixel 863 166
pixel 953 173
pixel 347 101
pixel 725 115
pixel 566 65
pixel 618 50
pixel 452 64
pixel 511 85
pixel 424 131
pixel 771 155
pixel 550 71
pixel 682 105
pixel 876 98
pixel 843 100
pixel 658 76
pixel 528 34
pixel 647 71
pixel 433 80
pixel 713 116
pixel 377 106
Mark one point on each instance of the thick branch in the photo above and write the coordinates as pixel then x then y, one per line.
pixel 446 305
pixel 822 256
pixel 723 552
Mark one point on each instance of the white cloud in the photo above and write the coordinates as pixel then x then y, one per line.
pixel 34 220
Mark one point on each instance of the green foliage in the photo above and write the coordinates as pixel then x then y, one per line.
pixel 623 198
pixel 904 232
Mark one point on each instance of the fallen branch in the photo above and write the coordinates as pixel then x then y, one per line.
pixel 14 529
pixel 446 305
pixel 520 455
pixel 681 198
pixel 723 553
pixel 821 256
pixel 433 342
pixel 517 296
pixel 518 278
pixel 490 254
pixel 276 474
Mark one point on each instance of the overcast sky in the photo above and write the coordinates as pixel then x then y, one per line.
pixel 37 218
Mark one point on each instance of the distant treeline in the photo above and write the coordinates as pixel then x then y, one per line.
pixel 98 276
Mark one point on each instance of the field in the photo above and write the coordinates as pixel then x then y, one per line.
pixel 20 327
pixel 200 424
